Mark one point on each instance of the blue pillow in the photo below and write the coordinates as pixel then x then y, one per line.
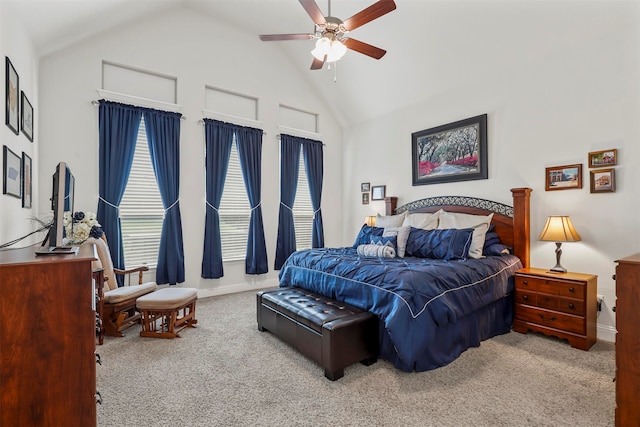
pixel 364 236
pixel 389 241
pixel 448 244
pixel 496 249
pixel 491 238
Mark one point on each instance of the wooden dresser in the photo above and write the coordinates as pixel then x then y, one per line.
pixel 47 339
pixel 628 341
pixel 558 304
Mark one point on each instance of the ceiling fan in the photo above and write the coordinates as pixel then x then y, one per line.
pixel 331 32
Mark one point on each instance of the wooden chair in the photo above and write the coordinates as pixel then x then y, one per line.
pixel 117 305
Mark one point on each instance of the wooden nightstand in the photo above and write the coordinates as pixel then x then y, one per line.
pixel 563 305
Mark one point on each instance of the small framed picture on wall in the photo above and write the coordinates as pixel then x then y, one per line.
pixel 365 187
pixel 365 198
pixel 603 180
pixel 378 192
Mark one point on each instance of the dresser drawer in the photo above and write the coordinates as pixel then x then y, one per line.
pixel 526 297
pixel 551 286
pixel 551 319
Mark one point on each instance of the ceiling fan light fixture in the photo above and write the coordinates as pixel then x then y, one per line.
pixel 331 49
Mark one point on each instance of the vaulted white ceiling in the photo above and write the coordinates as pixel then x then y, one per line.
pixel 432 45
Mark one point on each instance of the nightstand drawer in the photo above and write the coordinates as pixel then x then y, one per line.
pixel 551 319
pixel 526 297
pixel 551 286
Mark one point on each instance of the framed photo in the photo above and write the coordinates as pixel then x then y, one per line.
pixel 365 187
pixel 26 181
pixel 365 198
pixel 12 92
pixel 453 152
pixel 563 177
pixel 26 117
pixel 599 159
pixel 378 192
pixel 11 173
pixel 603 180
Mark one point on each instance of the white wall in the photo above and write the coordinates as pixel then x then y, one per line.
pixel 549 112
pixel 15 220
pixel 199 51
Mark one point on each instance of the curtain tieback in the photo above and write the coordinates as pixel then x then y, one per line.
pixel 172 205
pixel 212 207
pixel 110 204
pixel 256 206
pixel 315 212
pixel 283 204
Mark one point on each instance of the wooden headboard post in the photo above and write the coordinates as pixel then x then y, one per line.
pixel 521 224
pixel 390 205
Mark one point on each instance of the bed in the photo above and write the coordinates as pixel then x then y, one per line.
pixel 430 310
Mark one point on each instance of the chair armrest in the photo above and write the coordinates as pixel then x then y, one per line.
pixel 138 270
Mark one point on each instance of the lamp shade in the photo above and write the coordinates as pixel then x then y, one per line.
pixel 370 220
pixel 329 49
pixel 559 229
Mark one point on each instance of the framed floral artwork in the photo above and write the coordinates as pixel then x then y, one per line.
pixel 26 117
pixel 12 92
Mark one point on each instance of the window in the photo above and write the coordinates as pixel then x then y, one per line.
pixel 235 211
pixel 141 210
pixel 303 209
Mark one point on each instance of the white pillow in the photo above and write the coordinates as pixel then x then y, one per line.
pixel 390 220
pixel 425 221
pixel 479 223
pixel 402 235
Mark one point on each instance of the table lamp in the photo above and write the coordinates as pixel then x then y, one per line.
pixel 559 229
pixel 370 220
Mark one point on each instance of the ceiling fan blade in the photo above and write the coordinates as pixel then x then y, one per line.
pixel 364 48
pixel 317 64
pixel 374 11
pixel 277 37
pixel 314 11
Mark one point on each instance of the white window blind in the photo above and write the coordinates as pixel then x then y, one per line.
pixel 141 210
pixel 235 211
pixel 303 209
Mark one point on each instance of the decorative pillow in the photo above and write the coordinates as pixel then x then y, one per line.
pixel 382 251
pixel 390 220
pixel 496 249
pixel 389 241
pixel 491 238
pixel 479 223
pixel 450 244
pixel 364 236
pixel 425 221
pixel 401 234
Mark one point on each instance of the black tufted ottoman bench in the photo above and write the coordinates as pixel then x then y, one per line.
pixel 331 333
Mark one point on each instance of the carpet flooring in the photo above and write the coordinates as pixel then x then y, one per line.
pixel 227 373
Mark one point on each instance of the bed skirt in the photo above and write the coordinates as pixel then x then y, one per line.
pixel 453 339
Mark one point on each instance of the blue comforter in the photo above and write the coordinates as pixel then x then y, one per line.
pixel 411 296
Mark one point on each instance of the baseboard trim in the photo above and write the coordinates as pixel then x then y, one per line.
pixel 237 287
pixel 606 333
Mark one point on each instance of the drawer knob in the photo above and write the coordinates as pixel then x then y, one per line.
pixel 572 290
pixel 524 282
pixel 547 320
pixel 571 305
pixel 525 297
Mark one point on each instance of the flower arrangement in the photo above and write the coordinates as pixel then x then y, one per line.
pixel 81 226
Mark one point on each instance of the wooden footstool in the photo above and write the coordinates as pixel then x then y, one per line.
pixel 160 311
